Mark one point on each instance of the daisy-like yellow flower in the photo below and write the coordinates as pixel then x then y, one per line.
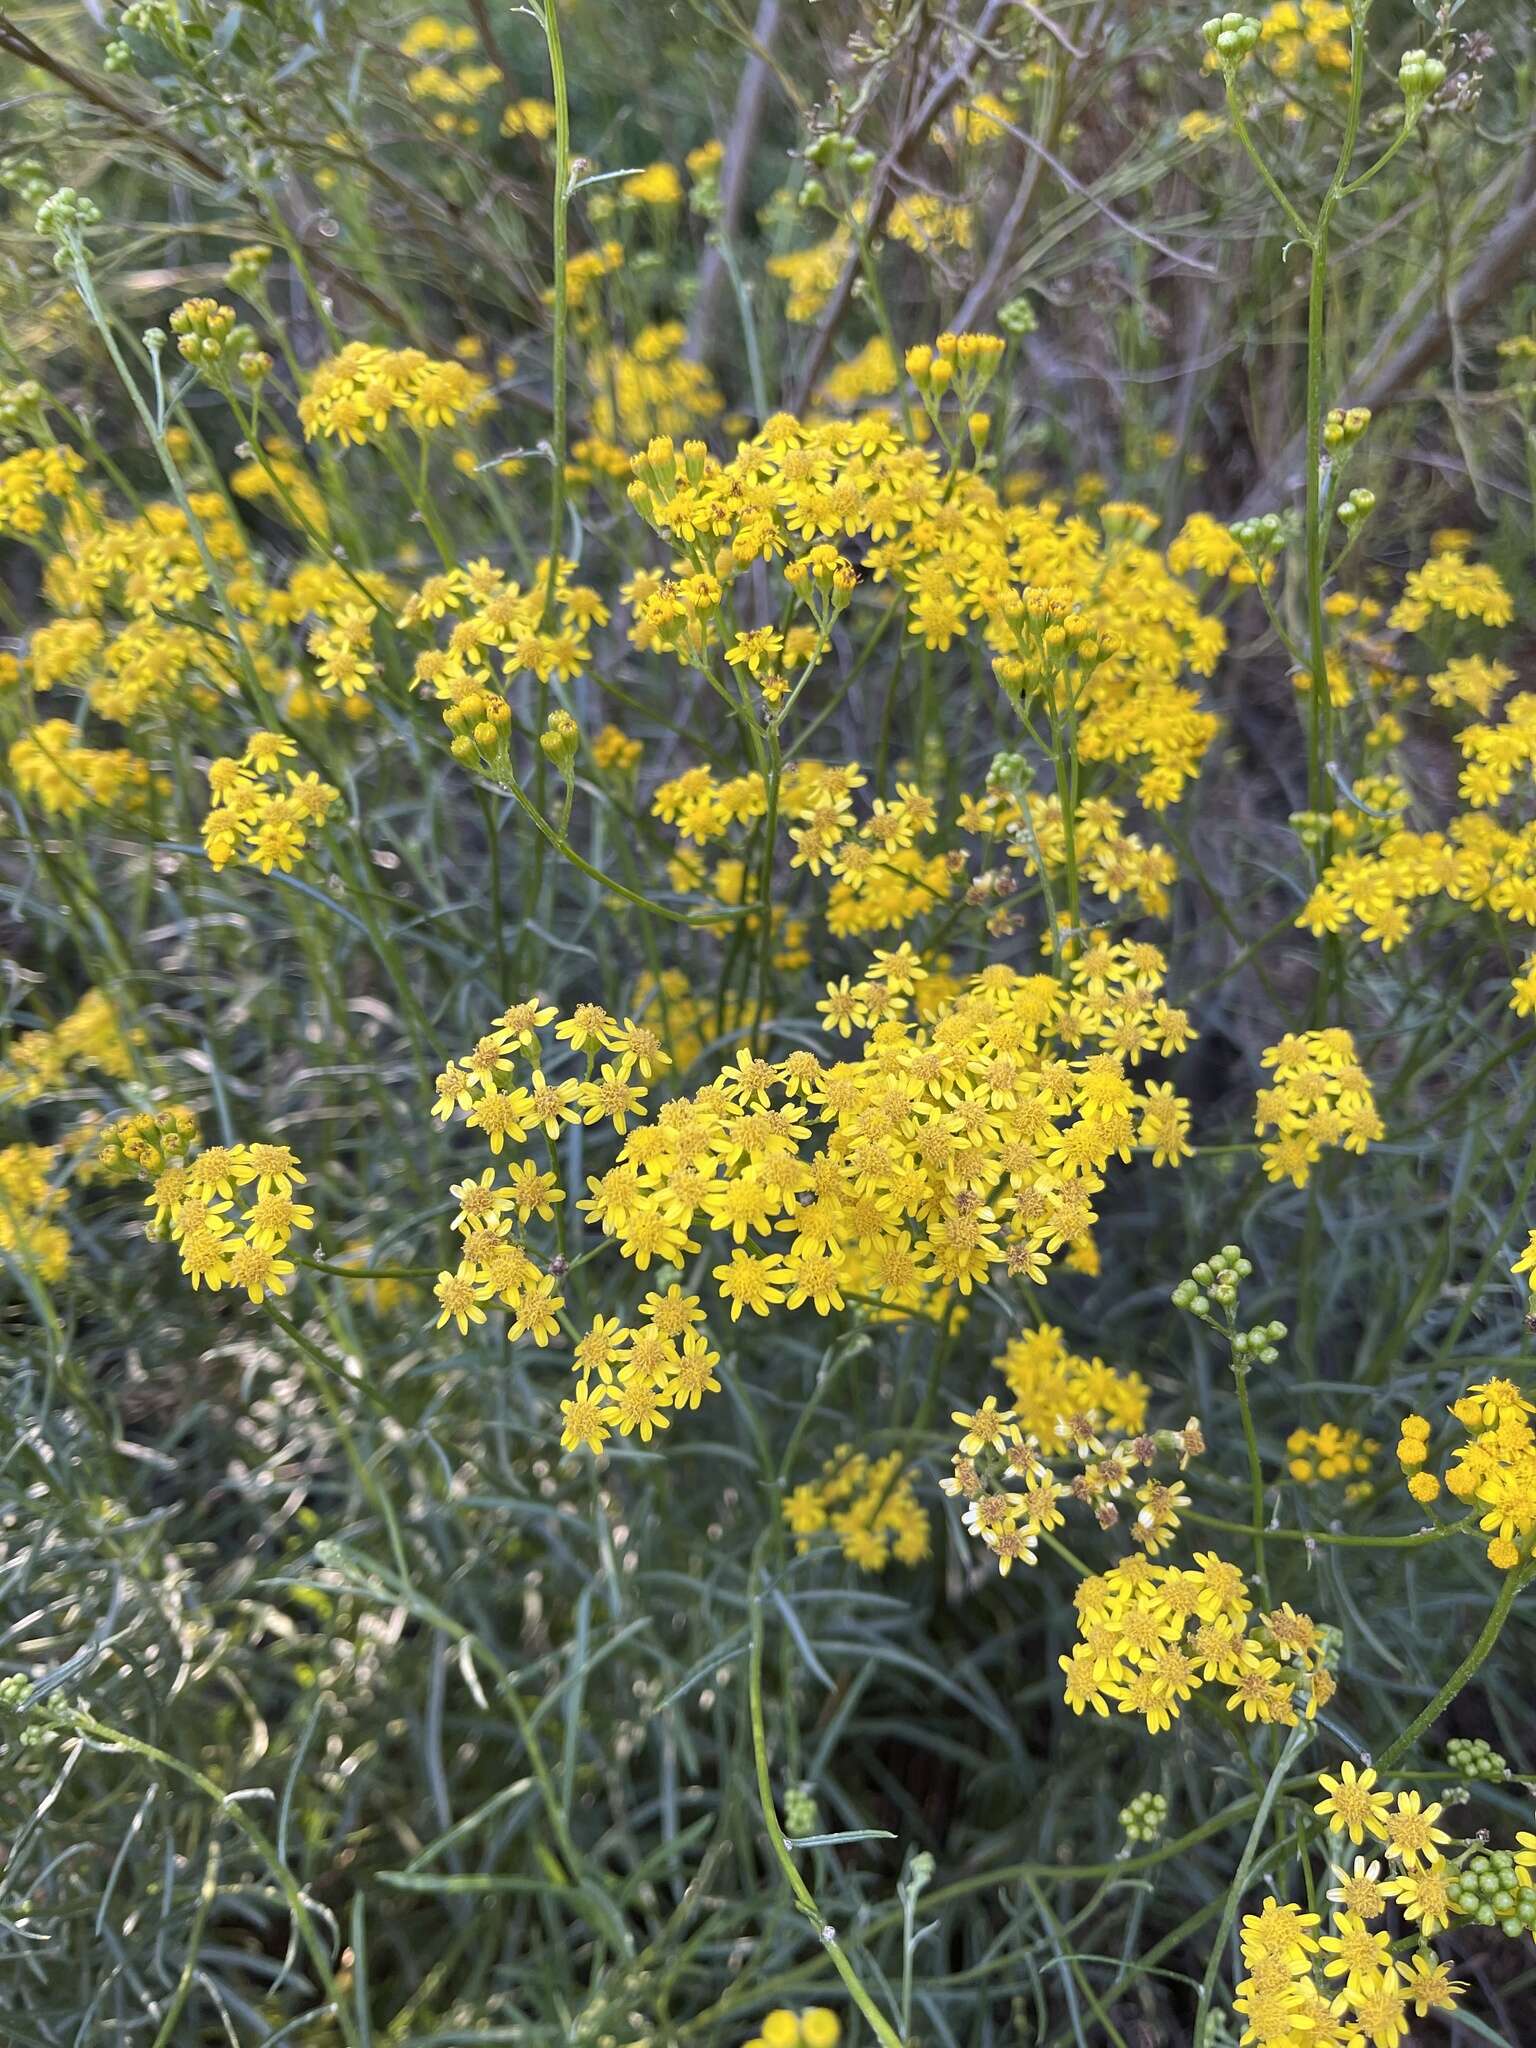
pixel 1352 1805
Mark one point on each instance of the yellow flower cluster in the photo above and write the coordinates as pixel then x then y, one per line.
pixel 29 479
pixel 978 123
pixel 252 818
pixel 1150 1636
pixel 29 1235
pixel 1068 1408
pixel 924 221
pixel 817 2026
pixel 282 485
pixel 1205 545
pixel 871 373
pixel 1343 1989
pixel 1055 1391
pixel 869 1504
pixel 357 394
pixel 53 764
pixel 615 752
pixel 1329 1452
pixel 1476 861
pixel 657 186
pixel 663 1363
pixel 810 274
pixel 193 1203
pixel 430 35
pixel 1295 30
pixel 650 387
pixel 38 1063
pixel 534 118
pixel 426 45
pixel 152 563
pixel 1494 1471
pixel 1322 1097
pixel 958 1141
pixel 1448 583
pixel 489 617
pixel 1096 610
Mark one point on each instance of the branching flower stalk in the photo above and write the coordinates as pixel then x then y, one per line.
pixel 1232 38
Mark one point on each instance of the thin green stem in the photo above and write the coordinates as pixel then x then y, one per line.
pixel 1465 1671
pixel 799 1889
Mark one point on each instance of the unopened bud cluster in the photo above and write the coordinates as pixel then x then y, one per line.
pixel 962 363
pixel 1232 36
pixel 1261 536
pixel 834 155
pixel 1418 75
pixel 1312 827
pixel 1342 429
pixel 560 739
pixel 1145 1818
pixel 1470 1757
pixel 801 1815
pixel 28 179
pixel 1018 316
pixel 246 269
pixel 1490 1889
pixel 1213 1286
pixel 1213 1281
pixel 213 339
pixel 21 407
pixel 64 215
pixel 1358 506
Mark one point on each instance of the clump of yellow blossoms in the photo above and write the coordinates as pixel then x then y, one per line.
pixel 1052 1386
pixel 53 764
pixel 356 395
pixel 1071 1409
pixel 1151 1635
pixel 1329 1452
pixel 253 818
pixel 651 387
pixel 1095 611
pixel 93 1035
pixel 543 630
pixel 868 1504
pixel 871 372
pixel 886 870
pixel 29 479
pixel 1380 873
pixel 1296 30
pixel 194 1203
pixel 1449 583
pixel 1342 1989
pixel 1322 1097
pixel 1493 1472
pixel 29 1233
pixel 962 1138
pixel 817 2026
pixel 810 274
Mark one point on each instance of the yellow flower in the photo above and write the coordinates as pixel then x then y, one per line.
pixel 1352 1804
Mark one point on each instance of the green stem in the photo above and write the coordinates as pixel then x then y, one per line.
pixel 1465 1671
pixel 1255 1474
pixel 801 1891
pixel 549 21
pixel 1293 1742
